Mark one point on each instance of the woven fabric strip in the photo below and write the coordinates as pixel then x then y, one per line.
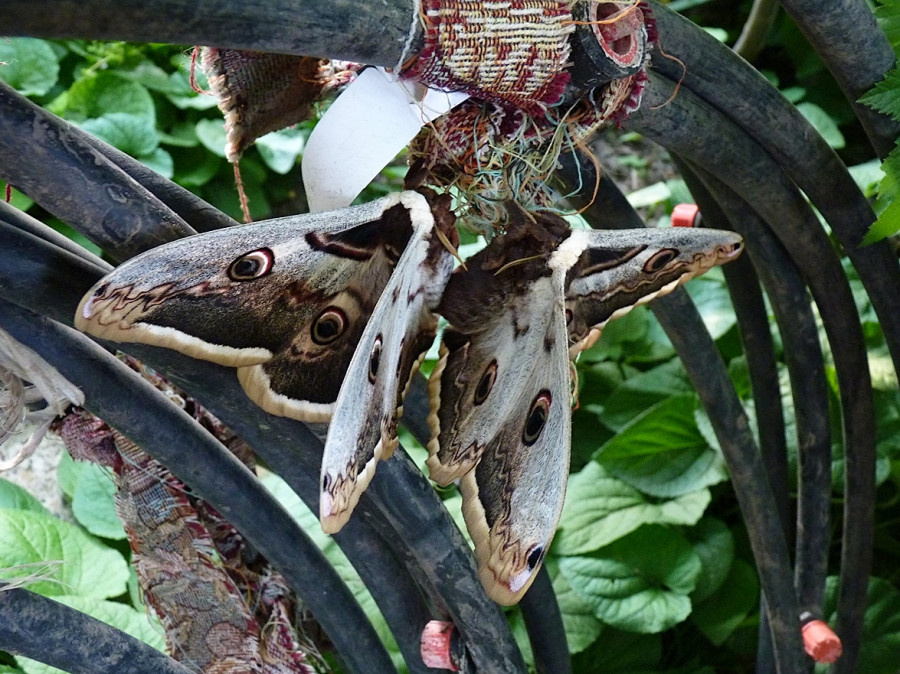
pixel 511 51
pixel 260 92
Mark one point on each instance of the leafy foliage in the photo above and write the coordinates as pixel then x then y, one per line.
pixel 651 565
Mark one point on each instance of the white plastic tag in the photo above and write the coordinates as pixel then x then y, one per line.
pixel 363 130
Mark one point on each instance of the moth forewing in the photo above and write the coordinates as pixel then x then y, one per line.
pixel 619 270
pixel 513 498
pixel 284 300
pixel 401 328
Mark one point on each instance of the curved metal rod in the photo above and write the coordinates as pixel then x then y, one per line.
pixel 126 401
pixel 370 32
pixel 809 386
pixel 85 188
pixel 682 323
pixel 440 561
pixel 849 40
pixel 73 641
pixel 739 92
pixel 683 125
pixel 196 212
pixel 543 622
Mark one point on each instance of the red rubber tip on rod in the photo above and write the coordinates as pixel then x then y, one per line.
pixel 820 642
pixel 435 645
pixel 685 215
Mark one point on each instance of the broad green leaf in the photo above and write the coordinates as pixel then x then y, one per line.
pixel 600 509
pixel 88 568
pixel 280 149
pixel 724 610
pixel 618 651
pixel 97 94
pixel 132 134
pixel 67 473
pixel 662 452
pixel 211 133
pixel 714 545
pixel 887 224
pixel 160 161
pixel 582 627
pixel 13 497
pixel 93 502
pixel 823 123
pixel 881 626
pixel 28 65
pixel 640 583
pixel 131 621
pixel 650 195
pixel 713 302
pixel 642 391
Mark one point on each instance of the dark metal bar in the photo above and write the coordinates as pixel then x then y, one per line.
pixel 199 214
pixel 50 161
pixel 849 40
pixel 683 125
pixel 739 92
pixel 124 400
pixel 71 640
pixel 682 323
pixel 543 622
pixel 364 32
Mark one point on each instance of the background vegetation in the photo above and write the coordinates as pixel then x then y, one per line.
pixel 651 565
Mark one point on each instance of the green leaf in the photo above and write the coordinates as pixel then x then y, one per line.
pixel 132 134
pixel 650 195
pixel 93 502
pixel 160 161
pixel 131 621
pixel 823 123
pixel 642 391
pixel 618 651
pixel 13 497
pixel 723 611
pixel 885 96
pixel 280 149
pixel 881 627
pixel 713 302
pixel 88 568
pixel 600 509
pixel 887 224
pixel 67 473
pixel 888 15
pixel 97 94
pixel 211 133
pixel 714 545
pixel 662 452
pixel 582 627
pixel 640 583
pixel 28 65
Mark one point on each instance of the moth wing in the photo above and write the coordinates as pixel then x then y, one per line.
pixel 284 300
pixel 402 326
pixel 515 461
pixel 619 270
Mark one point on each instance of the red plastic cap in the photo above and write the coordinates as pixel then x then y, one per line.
pixel 685 215
pixel 435 645
pixel 820 642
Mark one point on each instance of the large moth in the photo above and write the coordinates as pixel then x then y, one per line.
pixel 500 409
pixel 285 301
